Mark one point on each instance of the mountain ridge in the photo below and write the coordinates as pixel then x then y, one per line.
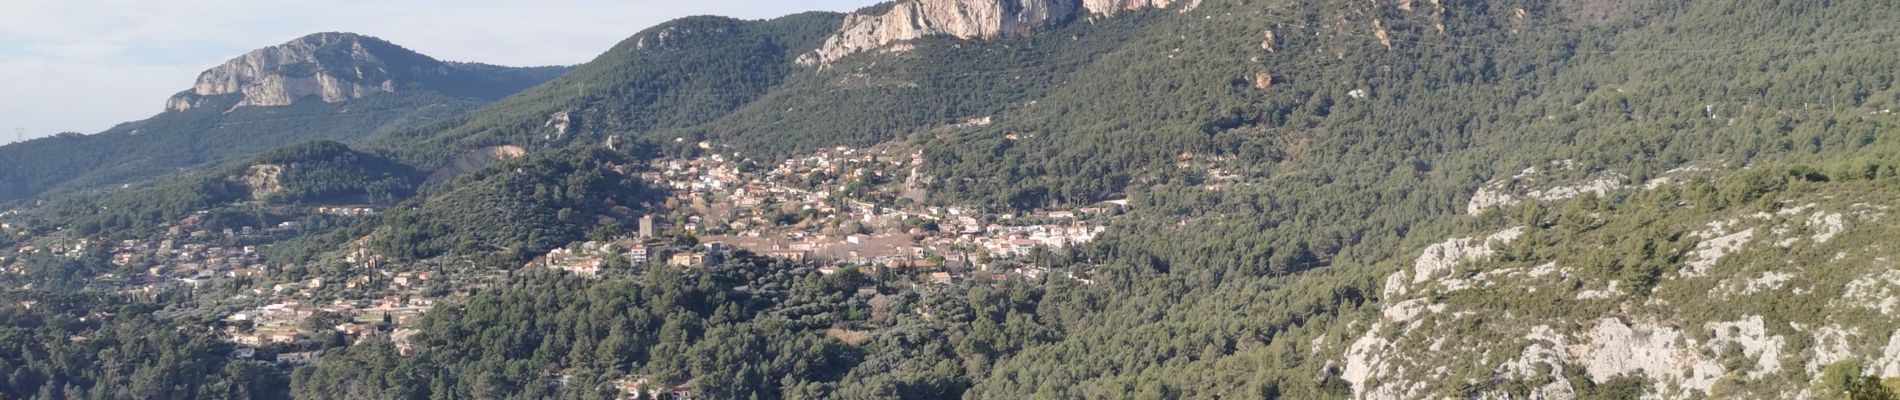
pixel 359 85
pixel 339 66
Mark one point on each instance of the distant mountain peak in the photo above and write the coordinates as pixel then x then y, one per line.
pixel 333 66
pixel 327 38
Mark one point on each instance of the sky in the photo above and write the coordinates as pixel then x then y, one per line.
pixel 86 65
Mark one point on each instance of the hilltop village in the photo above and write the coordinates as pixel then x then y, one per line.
pixel 837 208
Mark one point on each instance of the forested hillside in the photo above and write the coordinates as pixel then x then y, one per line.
pixel 515 208
pixel 681 73
pixel 228 116
pixel 1333 199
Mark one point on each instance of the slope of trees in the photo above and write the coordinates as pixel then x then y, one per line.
pixel 680 73
pixel 550 336
pixel 516 208
pixel 173 141
pixel 73 347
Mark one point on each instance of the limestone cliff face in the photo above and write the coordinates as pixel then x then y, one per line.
pixel 330 66
pixel 963 19
pixel 1112 7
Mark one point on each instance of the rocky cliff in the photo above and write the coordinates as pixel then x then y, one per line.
pixel 331 66
pixel 963 19
pixel 1733 308
pixel 336 66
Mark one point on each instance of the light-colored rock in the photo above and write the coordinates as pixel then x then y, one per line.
pixel 1378 31
pixel 1262 81
pixel 1889 362
pixel 1546 269
pixel 1489 196
pixel 1530 184
pixel 475 159
pixel 1404 311
pixel 1364 357
pixel 1394 285
pixel 962 19
pixel 1709 251
pixel 1614 290
pixel 1112 7
pixel 559 122
pixel 1879 291
pixel 1601 186
pixel 1443 257
pixel 1751 334
pixel 1825 226
pixel 263 180
pixel 332 67
pixel 1544 354
pixel 1770 280
pixel 1663 354
pixel 1832 343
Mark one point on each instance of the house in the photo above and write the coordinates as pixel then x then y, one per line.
pixel 402 337
pixel 296 358
pixel 263 337
pixel 686 259
pixel 638 387
pixel 404 279
pixel 793 255
pixel 637 255
pixel 588 267
pixel 716 252
pixel 354 329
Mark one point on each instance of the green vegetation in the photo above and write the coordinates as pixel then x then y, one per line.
pixel 516 208
pixel 677 74
pixel 214 130
pixel 1264 219
pixel 75 347
pixel 311 172
pixel 172 141
pixel 330 171
pixel 671 326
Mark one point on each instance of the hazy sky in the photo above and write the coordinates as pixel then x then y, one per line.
pixel 85 65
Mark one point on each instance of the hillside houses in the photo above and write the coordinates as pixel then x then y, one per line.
pixel 849 205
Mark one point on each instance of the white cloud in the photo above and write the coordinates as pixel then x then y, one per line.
pixel 85 65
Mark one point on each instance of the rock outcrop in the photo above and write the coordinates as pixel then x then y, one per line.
pixel 1469 317
pixel 1535 184
pixel 331 66
pixel 336 67
pixel 263 180
pixel 963 19
pixel 474 160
